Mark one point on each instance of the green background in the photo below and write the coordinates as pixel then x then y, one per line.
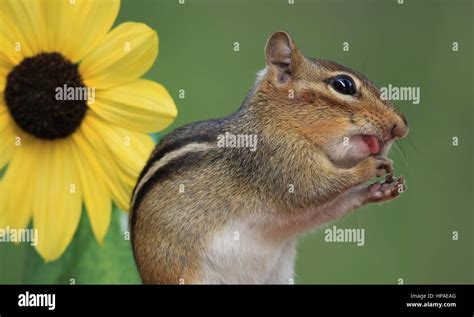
pixel 403 45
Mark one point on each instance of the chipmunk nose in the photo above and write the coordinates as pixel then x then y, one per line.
pixel 400 128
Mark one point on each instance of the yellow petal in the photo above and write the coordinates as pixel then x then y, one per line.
pixel 57 203
pixel 142 105
pixel 97 197
pixel 124 55
pixel 131 158
pixel 47 25
pixel 129 149
pixel 6 65
pixel 18 188
pixel 11 136
pixel 3 213
pixel 93 147
pixel 4 114
pixel 58 19
pixel 21 27
pixel 7 137
pixel 76 28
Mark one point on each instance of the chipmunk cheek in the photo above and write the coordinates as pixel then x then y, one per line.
pixel 348 151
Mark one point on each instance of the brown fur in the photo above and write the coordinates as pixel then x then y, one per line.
pixel 172 230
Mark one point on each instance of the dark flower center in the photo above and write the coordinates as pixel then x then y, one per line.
pixel 31 95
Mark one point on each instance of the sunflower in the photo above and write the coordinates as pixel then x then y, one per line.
pixel 59 153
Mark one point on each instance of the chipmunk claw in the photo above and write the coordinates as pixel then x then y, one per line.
pixel 389 189
pixel 384 166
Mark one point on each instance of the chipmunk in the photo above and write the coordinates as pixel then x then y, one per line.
pixel 207 214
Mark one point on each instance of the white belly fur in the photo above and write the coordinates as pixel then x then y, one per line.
pixel 241 254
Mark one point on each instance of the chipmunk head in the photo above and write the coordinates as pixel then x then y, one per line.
pixel 332 106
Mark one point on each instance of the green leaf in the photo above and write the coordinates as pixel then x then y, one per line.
pixel 85 261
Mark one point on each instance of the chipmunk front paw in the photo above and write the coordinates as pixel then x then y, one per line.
pixel 389 189
pixel 384 166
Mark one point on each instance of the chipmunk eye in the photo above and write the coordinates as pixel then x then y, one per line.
pixel 344 84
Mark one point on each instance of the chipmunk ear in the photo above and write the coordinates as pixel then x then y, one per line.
pixel 282 55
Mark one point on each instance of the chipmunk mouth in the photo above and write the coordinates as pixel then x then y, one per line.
pixel 367 144
pixel 372 143
pixel 375 145
pixel 358 147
